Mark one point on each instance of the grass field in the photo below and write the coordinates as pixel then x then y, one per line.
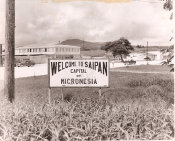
pixel 150 48
pixel 100 53
pixel 135 106
pixel 145 68
pixel 93 53
pixel 35 88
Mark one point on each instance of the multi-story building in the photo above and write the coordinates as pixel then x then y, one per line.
pixel 40 53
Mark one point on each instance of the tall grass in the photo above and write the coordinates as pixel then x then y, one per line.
pixel 166 84
pixel 146 117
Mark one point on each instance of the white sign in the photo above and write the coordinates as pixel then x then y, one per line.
pixel 79 73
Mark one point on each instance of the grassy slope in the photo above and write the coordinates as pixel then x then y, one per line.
pixel 99 52
pixel 98 45
pixel 35 89
pixel 80 43
pixel 150 48
pixel 93 53
pixel 145 68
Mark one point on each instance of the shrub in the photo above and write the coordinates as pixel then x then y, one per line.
pixel 166 84
pixel 68 97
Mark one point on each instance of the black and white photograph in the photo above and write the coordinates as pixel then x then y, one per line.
pixel 86 70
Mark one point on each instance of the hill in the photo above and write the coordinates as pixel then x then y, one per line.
pixel 85 45
pixel 150 48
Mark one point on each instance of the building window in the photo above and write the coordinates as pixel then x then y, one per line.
pixel 45 49
pixel 35 50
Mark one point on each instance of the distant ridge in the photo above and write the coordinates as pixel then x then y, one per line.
pixel 85 45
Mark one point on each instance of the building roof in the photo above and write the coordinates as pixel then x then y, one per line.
pixel 46 45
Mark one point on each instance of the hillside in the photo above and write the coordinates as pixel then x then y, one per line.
pixel 85 45
pixel 150 48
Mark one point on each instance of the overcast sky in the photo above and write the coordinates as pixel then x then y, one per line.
pixel 92 21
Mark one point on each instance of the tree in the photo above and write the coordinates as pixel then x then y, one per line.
pixel 139 46
pixel 170 54
pixel 168 5
pixel 119 47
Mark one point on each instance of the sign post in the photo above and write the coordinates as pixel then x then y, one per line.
pixel 78 73
pixel 49 97
pixel 99 92
pixel 1 55
pixel 62 94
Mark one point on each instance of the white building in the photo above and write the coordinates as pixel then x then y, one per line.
pixel 39 53
pixel 47 49
pixel 154 55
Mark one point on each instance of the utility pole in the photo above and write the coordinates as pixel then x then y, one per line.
pixel 0 55
pixel 147 52
pixel 83 44
pixel 9 80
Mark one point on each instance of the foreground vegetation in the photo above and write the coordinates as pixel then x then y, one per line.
pixel 135 106
pixel 89 119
